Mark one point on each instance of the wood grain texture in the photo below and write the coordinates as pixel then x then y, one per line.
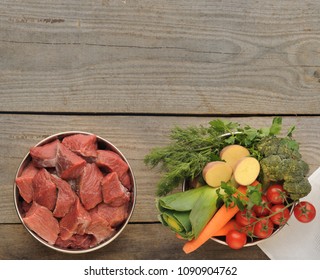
pixel 129 71
pixel 134 136
pixel 133 244
pixel 209 57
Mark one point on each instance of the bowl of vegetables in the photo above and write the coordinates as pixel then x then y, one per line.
pixel 74 192
pixel 240 185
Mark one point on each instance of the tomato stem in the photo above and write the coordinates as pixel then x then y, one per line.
pixel 258 219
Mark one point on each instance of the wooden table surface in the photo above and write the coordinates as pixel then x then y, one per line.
pixel 131 70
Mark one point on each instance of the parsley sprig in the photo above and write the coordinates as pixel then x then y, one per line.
pixel 232 197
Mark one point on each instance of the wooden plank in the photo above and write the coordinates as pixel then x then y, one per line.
pixel 133 244
pixel 134 136
pixel 210 57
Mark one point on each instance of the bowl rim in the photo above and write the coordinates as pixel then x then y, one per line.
pixel 27 158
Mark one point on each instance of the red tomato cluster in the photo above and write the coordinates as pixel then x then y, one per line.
pixel 273 212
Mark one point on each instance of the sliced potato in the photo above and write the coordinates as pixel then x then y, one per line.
pixel 233 153
pixel 246 171
pixel 216 172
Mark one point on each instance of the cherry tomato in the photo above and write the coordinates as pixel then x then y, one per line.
pixel 236 239
pixel 245 217
pixel 276 194
pixel 248 230
pixel 304 212
pixel 264 208
pixel 263 228
pixel 280 214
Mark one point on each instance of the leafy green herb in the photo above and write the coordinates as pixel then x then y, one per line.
pixel 254 194
pixel 276 126
pixel 231 196
pixel 226 194
pixel 290 131
pixel 192 148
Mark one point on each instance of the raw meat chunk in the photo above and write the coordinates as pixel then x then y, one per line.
pixel 113 192
pixel 99 227
pixel 83 145
pixel 44 190
pixel 76 241
pixel 40 220
pixel 113 215
pixel 112 162
pixel 89 186
pixel 75 222
pixel 126 181
pixel 65 199
pixel 24 182
pixel 46 155
pixel 69 165
pixel 24 207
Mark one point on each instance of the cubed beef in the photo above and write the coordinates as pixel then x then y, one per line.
pixel 75 222
pixel 99 227
pixel 24 182
pixel 76 241
pixel 69 165
pixel 113 215
pixel 112 162
pixel 89 186
pixel 40 220
pixel 113 192
pixel 81 144
pixel 45 155
pixel 24 207
pixel 65 199
pixel 44 190
pixel 126 181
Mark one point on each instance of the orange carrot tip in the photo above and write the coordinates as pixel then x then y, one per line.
pixel 255 183
pixel 179 236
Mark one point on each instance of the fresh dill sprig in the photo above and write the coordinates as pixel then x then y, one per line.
pixel 193 147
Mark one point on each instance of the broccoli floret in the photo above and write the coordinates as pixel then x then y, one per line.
pixel 269 146
pixel 283 147
pixel 288 148
pixel 271 168
pixel 293 168
pixel 281 162
pixel 297 189
pixel 304 167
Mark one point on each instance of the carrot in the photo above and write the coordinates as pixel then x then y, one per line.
pixel 218 221
pixel 179 236
pixel 255 183
pixel 232 224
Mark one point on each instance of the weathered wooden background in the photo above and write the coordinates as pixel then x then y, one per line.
pixel 131 70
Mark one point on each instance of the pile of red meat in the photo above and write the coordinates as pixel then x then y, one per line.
pixel 74 194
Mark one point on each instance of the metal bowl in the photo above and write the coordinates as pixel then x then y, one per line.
pixel 102 144
pixel 250 242
pixel 186 185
